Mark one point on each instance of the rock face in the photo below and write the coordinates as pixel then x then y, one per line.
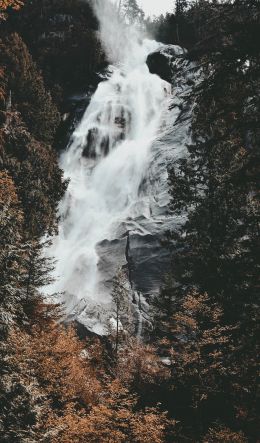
pixel 161 61
pixel 116 211
pixel 138 244
pixel 74 106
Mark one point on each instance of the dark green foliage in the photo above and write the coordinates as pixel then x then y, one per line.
pixel 180 6
pixel 206 317
pixel 203 26
pixel 28 94
pixel 62 36
pixel 33 166
pixel 216 250
pixel 30 188
pixel 176 28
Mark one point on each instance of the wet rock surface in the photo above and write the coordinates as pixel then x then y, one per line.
pixel 135 243
pixel 158 63
pixel 75 105
pixel 161 61
pixel 139 246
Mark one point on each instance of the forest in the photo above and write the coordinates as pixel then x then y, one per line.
pixel 194 376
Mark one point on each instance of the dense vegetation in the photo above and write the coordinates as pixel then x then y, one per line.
pixel 214 368
pixel 197 381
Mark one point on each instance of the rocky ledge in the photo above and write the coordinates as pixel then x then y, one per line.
pixel 161 61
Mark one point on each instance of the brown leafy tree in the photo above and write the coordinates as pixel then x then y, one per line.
pixel 6 4
pixel 71 401
pixel 219 434
pixel 208 381
pixel 140 368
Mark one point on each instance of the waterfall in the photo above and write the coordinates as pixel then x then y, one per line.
pixel 115 206
pixel 107 162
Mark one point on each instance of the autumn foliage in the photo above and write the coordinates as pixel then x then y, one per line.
pixel 75 400
pixel 194 378
pixel 2 84
pixel 6 4
pixel 15 4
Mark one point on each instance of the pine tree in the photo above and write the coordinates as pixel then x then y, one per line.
pixel 30 97
pixel 216 187
pixel 122 310
pixel 180 6
pixel 179 14
pixel 132 12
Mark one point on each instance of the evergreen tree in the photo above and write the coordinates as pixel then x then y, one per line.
pixel 29 96
pixel 122 310
pixel 180 6
pixel 132 12
pixel 215 251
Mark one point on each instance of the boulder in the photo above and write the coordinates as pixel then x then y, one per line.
pixel 160 62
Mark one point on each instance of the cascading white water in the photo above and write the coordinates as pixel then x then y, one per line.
pixel 106 162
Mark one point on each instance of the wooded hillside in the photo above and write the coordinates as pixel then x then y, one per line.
pixel 195 379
